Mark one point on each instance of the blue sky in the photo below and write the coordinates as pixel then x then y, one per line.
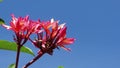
pixel 94 23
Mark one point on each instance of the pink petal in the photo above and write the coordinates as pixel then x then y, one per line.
pixel 26 18
pixel 54 33
pixel 67 49
pixel 14 19
pixel 52 20
pixel 54 26
pixel 61 26
pixel 46 26
pixel 62 34
pixel 67 41
pixel 7 27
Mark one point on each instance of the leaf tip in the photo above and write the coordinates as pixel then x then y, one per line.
pixel 1 20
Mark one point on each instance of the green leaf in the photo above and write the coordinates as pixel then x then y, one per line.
pixel 1 0
pixel 60 67
pixel 2 21
pixel 12 46
pixel 12 66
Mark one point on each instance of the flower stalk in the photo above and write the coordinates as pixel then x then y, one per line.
pixel 17 56
pixel 34 59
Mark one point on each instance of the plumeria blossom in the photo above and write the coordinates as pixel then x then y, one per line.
pixel 50 35
pixel 54 36
pixel 23 28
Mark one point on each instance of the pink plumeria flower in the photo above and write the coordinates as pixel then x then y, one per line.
pixel 53 37
pixel 17 24
pixel 23 28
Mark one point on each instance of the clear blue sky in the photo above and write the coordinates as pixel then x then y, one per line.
pixel 94 23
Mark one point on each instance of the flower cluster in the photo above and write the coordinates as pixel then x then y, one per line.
pixel 50 34
pixel 23 28
pixel 53 35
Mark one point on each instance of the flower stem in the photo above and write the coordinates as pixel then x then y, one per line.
pixel 34 59
pixel 17 56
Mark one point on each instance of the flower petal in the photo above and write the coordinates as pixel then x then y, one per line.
pixel 61 26
pixel 7 27
pixel 62 34
pixel 67 41
pixel 67 49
